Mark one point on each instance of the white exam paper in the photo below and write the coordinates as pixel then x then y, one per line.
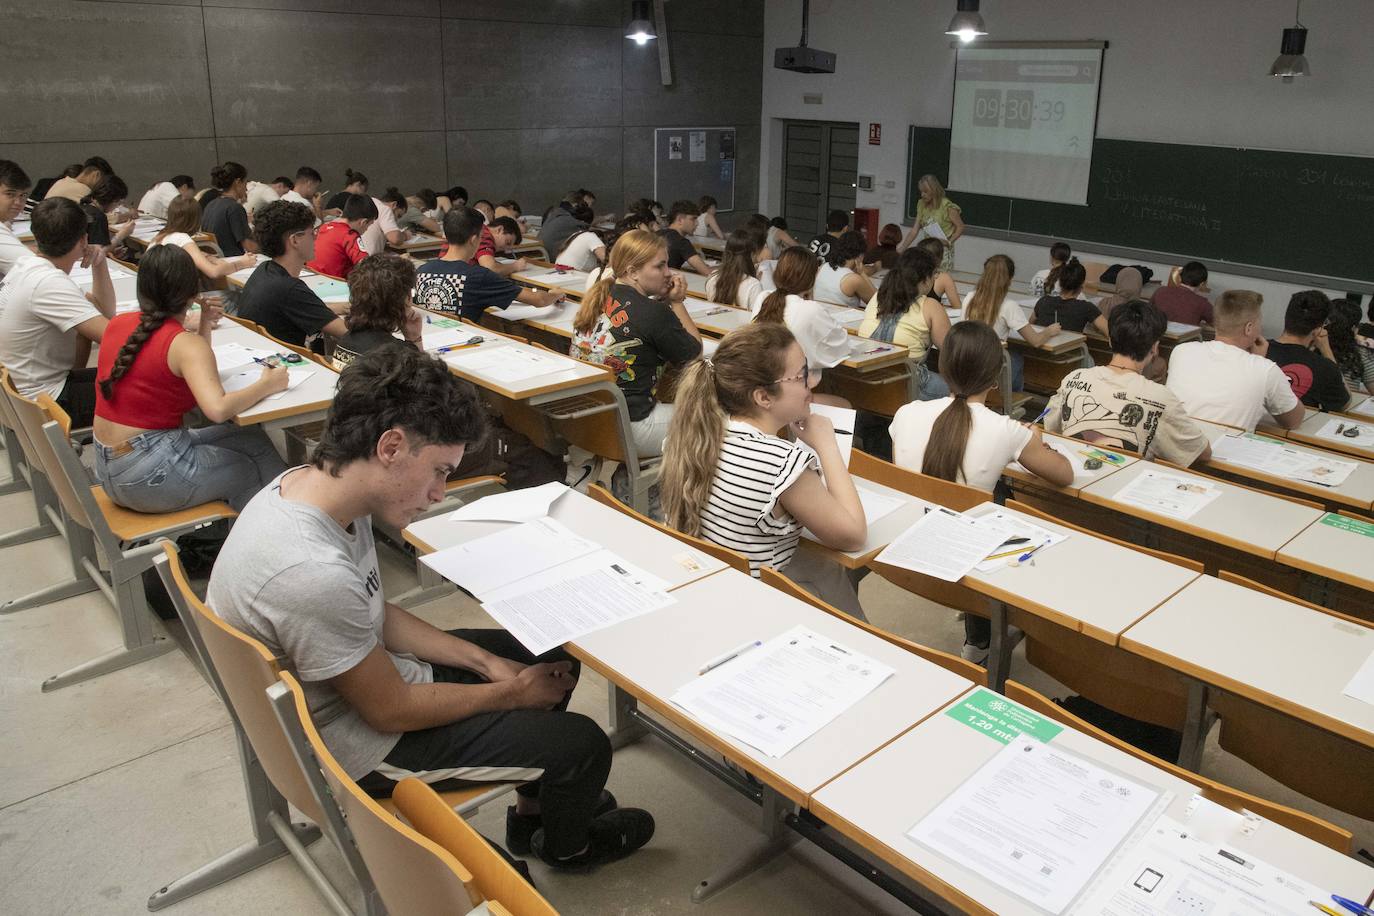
pixel 593 592
pixel 489 563
pixel 1171 871
pixel 1361 686
pixel 1036 819
pixel 524 505
pixel 1014 526
pixel 932 230
pixel 783 692
pixel 237 380
pixel 1081 475
pixel 1168 494
pixel 233 355
pixel 1365 408
pixel 876 505
pixel 943 544
pixel 1278 460
pixel 519 311
pixel 508 364
pixel 1364 432
pixel 842 418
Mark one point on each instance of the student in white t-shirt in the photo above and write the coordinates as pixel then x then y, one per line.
pixel 843 278
pixel 1041 283
pixel 384 230
pixel 14 192
pixel 729 478
pixel 584 251
pixel 958 438
pixel 990 303
pixel 1228 380
pixel 161 195
pixel 823 339
pixel 734 281
pixel 47 323
pixel 306 189
pixel 183 222
pixel 260 194
pixel 707 227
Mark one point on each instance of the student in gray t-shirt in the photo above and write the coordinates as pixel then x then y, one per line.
pixel 391 694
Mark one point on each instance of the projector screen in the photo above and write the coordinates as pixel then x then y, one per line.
pixel 1024 120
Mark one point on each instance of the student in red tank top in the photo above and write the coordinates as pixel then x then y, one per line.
pixel 150 373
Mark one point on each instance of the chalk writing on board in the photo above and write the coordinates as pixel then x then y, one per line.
pixel 1162 208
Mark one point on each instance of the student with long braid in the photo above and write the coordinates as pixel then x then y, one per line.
pixel 151 372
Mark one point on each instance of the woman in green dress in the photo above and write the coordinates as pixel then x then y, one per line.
pixel 934 207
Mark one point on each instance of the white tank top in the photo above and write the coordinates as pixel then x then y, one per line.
pixel 828 287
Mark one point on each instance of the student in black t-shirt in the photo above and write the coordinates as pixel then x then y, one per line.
pixel 354 183
pixel 454 283
pixel 1066 308
pixel 275 296
pixel 379 298
pixel 1303 352
pixel 682 254
pixel 633 321
pixel 836 223
pixel 224 215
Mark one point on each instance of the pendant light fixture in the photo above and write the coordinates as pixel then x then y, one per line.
pixel 641 29
pixel 967 24
pixel 1291 62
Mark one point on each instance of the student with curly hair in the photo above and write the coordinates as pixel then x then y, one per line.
pixel 379 293
pixel 395 696
pixel 275 296
pixel 150 373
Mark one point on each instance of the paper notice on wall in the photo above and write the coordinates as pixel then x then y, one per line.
pixel 675 147
pixel 697 145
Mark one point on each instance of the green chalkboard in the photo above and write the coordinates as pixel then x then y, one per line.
pixel 1301 212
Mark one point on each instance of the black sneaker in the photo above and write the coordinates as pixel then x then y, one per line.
pixel 520 827
pixel 611 836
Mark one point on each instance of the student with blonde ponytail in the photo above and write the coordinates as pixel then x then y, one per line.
pixel 958 438
pixel 151 372
pixel 634 321
pixel 990 303
pixel 183 222
pixel 728 477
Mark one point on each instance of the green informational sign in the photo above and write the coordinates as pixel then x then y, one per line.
pixel 1353 525
pixel 1001 719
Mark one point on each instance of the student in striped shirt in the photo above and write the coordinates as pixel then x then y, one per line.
pixel 729 478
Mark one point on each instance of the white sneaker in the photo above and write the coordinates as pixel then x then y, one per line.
pixel 976 654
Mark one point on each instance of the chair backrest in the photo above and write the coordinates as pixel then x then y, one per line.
pixel 954 663
pixel 1328 768
pixel 1314 828
pixel 413 874
pixel 32 417
pixel 493 876
pixel 736 561
pixel 244 669
pixel 947 493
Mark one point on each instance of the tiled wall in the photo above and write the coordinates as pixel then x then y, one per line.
pixel 521 98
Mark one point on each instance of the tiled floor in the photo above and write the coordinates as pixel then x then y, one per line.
pixel 110 789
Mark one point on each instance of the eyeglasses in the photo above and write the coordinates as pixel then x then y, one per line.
pixel 313 232
pixel 799 377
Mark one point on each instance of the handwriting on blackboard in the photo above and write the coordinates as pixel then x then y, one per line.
pixel 1162 208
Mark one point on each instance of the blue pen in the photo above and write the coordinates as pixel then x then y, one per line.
pixel 1353 907
pixel 1043 414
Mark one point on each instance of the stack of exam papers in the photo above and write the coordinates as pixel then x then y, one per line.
pixel 949 545
pixel 1271 457
pixel 547 585
pixel 776 696
pixel 523 505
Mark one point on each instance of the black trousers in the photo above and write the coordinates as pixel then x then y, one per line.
pixel 77 397
pixel 565 756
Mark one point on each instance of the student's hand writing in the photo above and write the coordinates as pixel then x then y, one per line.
pixel 244 261
pixel 520 264
pixel 1054 329
pixel 276 376
pixel 544 685
pixel 815 429
pixel 210 314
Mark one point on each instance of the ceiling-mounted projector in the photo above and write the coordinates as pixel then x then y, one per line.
pixel 802 59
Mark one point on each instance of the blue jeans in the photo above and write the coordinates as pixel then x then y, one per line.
pixel 930 386
pixel 172 469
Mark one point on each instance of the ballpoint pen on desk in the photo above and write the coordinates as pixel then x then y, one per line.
pixel 1029 555
pixel 1324 908
pixel 471 342
pixel 720 311
pixel 875 350
pixel 728 656
pixel 1353 906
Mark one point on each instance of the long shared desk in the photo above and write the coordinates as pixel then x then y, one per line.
pixel 855 776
